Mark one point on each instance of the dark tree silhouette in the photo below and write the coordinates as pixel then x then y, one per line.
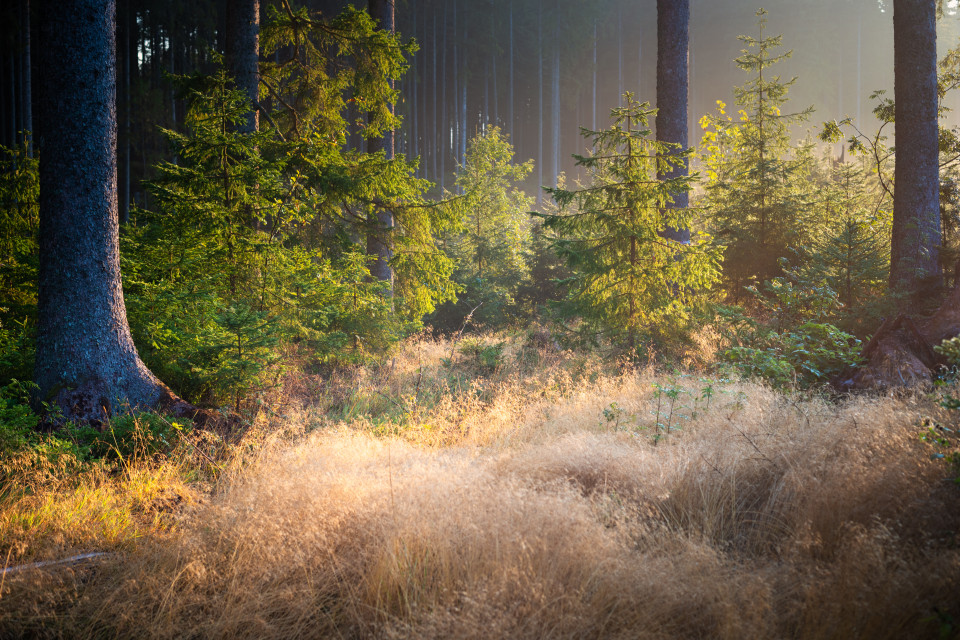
pixel 86 360
pixel 914 259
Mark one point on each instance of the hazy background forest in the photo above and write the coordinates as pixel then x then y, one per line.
pixel 842 53
pixel 430 334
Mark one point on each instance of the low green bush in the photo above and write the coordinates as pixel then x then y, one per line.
pixel 809 354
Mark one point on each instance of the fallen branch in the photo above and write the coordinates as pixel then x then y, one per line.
pixel 72 560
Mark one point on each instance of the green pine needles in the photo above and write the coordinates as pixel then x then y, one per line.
pixel 629 282
pixel 755 191
pixel 491 246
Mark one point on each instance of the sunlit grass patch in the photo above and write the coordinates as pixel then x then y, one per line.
pixel 565 500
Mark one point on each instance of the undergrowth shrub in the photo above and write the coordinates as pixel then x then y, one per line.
pixel 28 454
pixel 810 354
pixel 487 356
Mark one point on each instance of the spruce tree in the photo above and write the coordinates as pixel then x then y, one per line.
pixel 491 248
pixel 850 248
pixel 628 280
pixel 754 200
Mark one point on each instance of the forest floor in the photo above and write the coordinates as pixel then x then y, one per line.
pixel 506 490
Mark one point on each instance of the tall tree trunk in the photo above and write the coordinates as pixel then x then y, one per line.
pixel 510 123
pixel 444 145
pixel 435 147
pixel 85 359
pixel 555 120
pixel 27 78
pixel 840 43
pixel 14 111
pixel 540 102
pixel 173 70
pixel 496 101
pixel 125 192
pixel 243 53
pixel 379 246
pixel 456 91
pixel 859 60
pixel 414 80
pixel 620 57
pixel 640 61
pixel 462 151
pixel 18 91
pixel 673 38
pixel 485 116
pixel 914 254
pixel 593 119
pixel 4 116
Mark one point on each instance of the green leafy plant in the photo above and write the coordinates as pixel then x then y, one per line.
pixel 129 436
pixel 950 349
pixel 665 416
pixel 809 354
pixel 945 441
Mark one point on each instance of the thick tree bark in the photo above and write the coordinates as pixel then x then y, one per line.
pixel 673 40
pixel 86 360
pixel 378 239
pixel 243 53
pixel 914 253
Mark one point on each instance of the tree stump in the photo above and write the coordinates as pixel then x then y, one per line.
pixel 901 353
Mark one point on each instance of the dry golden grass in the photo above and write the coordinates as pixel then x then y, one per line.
pixel 419 500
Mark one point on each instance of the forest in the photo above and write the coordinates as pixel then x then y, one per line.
pixel 497 319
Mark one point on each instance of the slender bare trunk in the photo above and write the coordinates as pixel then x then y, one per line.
pixel 510 124
pixel 540 101
pixel 27 78
pixel 379 244
pixel 593 119
pixel 555 120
